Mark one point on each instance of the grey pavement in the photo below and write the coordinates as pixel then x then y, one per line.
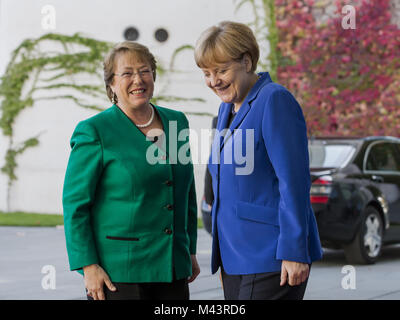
pixel 25 252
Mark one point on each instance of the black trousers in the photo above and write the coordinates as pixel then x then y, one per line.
pixel 176 290
pixel 260 286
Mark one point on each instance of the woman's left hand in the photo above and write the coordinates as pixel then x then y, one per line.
pixel 295 273
pixel 195 268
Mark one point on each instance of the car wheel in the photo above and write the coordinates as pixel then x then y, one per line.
pixel 366 246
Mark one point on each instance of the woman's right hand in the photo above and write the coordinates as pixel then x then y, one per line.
pixel 95 278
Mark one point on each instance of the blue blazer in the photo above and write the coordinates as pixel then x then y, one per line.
pixel 261 212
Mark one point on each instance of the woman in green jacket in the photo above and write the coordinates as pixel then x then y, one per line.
pixel 130 211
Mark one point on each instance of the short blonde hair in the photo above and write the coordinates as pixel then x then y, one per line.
pixel 225 42
pixel 140 52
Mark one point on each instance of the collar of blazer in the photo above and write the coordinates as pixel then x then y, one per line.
pixel 140 136
pixel 244 109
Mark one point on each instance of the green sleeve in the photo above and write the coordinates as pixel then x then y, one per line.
pixel 83 171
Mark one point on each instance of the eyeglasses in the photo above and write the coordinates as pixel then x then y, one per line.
pixel 143 74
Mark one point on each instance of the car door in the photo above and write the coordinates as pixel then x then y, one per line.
pixel 382 167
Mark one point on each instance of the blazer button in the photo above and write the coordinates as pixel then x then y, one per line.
pixel 169 207
pixel 168 231
pixel 168 183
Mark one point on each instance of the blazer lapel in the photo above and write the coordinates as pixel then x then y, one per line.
pixel 223 123
pixel 165 122
pixel 125 123
pixel 245 108
pixel 139 138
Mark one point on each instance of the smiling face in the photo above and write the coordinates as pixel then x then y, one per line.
pixel 228 54
pixel 230 81
pixel 133 81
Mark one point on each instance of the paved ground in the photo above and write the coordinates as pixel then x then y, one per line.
pixel 24 252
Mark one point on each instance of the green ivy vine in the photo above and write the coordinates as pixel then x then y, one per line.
pixel 32 71
pixel 264 26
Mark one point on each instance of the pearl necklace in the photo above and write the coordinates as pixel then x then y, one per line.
pixel 149 122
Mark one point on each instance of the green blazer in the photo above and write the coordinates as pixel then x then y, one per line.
pixel 137 220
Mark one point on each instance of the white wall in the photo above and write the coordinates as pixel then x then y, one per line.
pixel 3 141
pixel 41 169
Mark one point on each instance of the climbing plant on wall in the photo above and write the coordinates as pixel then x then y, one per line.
pixel 264 27
pixel 32 70
pixel 34 74
pixel 346 80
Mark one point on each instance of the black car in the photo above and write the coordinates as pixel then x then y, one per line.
pixel 355 194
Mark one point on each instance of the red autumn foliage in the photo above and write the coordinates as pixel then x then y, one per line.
pixel 346 80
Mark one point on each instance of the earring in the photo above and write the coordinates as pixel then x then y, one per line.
pixel 113 99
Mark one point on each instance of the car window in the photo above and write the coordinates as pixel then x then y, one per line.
pixel 383 157
pixel 397 148
pixel 329 155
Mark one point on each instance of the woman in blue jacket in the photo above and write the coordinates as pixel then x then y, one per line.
pixel 265 235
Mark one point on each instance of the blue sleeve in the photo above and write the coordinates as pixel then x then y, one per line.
pixel 285 137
